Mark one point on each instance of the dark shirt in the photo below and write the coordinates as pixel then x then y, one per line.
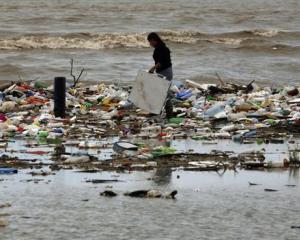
pixel 162 55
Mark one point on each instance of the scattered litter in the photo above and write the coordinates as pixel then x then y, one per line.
pixel 124 146
pixel 77 159
pixel 295 227
pixel 102 181
pixel 8 171
pixel 5 205
pixel 253 184
pixel 290 185
pixel 151 194
pixel 270 190
pixel 208 113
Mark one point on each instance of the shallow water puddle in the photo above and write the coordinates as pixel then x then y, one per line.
pixel 102 149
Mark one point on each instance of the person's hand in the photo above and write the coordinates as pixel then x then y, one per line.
pixel 152 69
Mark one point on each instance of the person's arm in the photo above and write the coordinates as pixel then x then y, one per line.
pixel 154 68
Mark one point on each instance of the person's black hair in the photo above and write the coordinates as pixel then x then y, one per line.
pixel 154 36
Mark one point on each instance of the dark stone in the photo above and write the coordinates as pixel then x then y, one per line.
pixel 270 190
pixel 108 193
pixel 173 194
pixel 138 193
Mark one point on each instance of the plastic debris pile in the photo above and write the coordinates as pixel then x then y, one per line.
pixel 205 112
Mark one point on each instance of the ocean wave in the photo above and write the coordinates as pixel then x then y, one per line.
pixel 227 41
pixel 74 41
pixel 130 40
pixel 90 41
pixel 265 33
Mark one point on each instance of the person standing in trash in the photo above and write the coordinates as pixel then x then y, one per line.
pixel 161 56
pixel 163 65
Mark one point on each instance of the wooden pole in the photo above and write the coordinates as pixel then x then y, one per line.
pixel 60 97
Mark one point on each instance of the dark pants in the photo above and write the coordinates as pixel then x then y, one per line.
pixel 168 73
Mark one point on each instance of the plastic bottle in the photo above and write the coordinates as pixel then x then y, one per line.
pixel 199 103
pixel 250 134
pixel 8 170
pixel 184 95
pixel 211 112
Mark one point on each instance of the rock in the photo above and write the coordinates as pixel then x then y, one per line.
pixel 41 173
pixel 138 193
pixel 293 92
pixel 295 227
pixel 253 184
pixel 108 193
pixel 95 181
pixel 151 194
pixel 154 194
pixel 270 190
pixel 170 195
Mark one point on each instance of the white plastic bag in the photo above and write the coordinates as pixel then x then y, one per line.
pixel 149 92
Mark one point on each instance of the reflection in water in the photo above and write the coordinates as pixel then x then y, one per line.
pixel 294 156
pixel 221 172
pixel 58 151
pixel 294 173
pixel 163 176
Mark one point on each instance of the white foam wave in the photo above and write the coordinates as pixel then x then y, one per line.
pixel 265 33
pixel 228 41
pixel 123 40
pixel 91 41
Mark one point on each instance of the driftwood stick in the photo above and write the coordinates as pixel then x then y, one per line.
pixel 79 76
pixel 75 80
pixel 71 71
